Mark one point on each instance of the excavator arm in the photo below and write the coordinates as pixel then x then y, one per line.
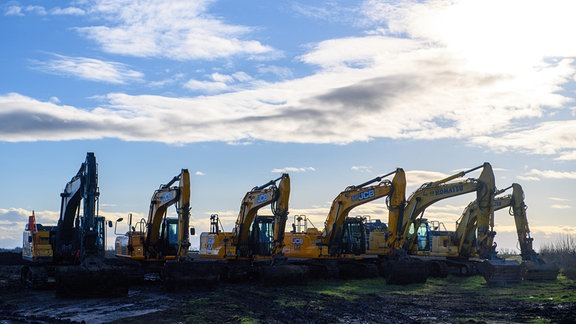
pixel 254 200
pixel 280 210
pixel 534 268
pixel 164 197
pixel 77 238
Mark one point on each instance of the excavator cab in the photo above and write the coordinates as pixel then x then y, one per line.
pixel 353 237
pixel 169 238
pixel 262 235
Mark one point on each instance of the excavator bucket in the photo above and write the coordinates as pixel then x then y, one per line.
pixel 404 271
pixel 92 278
pixel 501 272
pixel 191 274
pixel 539 270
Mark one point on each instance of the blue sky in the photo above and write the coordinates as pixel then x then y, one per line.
pixel 333 92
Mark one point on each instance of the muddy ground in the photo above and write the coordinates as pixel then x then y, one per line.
pixel 449 300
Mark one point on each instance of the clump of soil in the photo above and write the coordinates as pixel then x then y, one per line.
pixel 10 258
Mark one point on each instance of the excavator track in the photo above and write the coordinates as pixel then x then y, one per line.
pixel 405 271
pixel 37 277
pixel 357 270
pixel 501 272
pixel 92 278
pixel 191 274
pixel 283 274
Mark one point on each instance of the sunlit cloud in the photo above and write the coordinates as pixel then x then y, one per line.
pixel 418 177
pixel 551 174
pixel 412 69
pixel 13 222
pixel 555 206
pixel 558 199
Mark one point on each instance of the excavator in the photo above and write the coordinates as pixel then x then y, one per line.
pixel 70 255
pixel 253 250
pixel 341 249
pixel 533 266
pixel 412 234
pixel 159 244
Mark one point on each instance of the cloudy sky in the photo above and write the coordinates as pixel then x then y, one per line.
pixel 333 92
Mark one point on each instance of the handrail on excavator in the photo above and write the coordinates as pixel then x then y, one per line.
pixel 269 183
pixel 371 181
pixel 458 175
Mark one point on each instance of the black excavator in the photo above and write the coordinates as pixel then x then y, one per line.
pixel 71 255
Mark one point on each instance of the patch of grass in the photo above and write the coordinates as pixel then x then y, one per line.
pixel 535 291
pixel 353 289
pixel 247 320
pixel 291 303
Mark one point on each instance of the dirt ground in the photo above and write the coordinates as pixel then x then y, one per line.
pixel 449 300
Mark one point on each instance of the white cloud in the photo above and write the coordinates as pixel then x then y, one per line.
pixel 13 10
pixel 220 82
pixel 543 229
pixel 551 174
pixel 206 86
pixel 179 30
pixel 361 168
pixel 547 138
pixel 279 71
pixel 14 220
pixel 560 206
pixel 89 69
pixel 293 169
pixel 38 10
pixel 418 177
pixel 199 173
pixel 68 11
pixel 528 178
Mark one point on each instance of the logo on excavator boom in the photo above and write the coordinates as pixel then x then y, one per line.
pixel 364 195
pixel 447 190
pixel 261 198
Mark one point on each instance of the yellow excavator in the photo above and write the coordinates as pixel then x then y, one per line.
pixel 160 244
pixel 341 249
pixel 533 266
pixel 443 250
pixel 253 250
pixel 159 238
pixel 71 255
